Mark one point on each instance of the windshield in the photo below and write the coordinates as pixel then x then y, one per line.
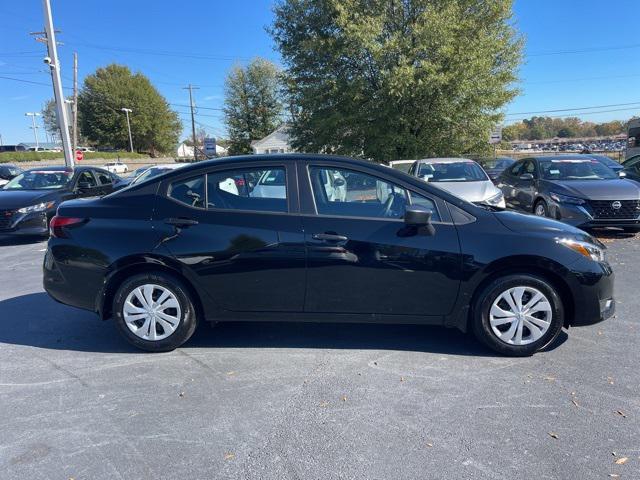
pixel 452 172
pixel 566 170
pixel 40 180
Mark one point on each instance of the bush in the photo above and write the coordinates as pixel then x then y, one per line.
pixel 16 157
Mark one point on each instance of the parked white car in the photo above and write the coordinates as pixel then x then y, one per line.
pixel 461 177
pixel 116 167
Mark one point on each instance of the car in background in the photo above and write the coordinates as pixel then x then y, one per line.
pixel 459 176
pixel 181 250
pixel 29 200
pixel 12 148
pixel 578 190
pixel 402 165
pixel 116 167
pixel 156 170
pixel 495 166
pixel 125 181
pixel 8 172
pixel 607 162
pixel 631 168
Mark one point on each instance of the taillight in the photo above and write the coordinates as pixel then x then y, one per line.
pixel 57 224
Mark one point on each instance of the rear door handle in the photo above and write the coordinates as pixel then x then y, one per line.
pixel 180 222
pixel 329 237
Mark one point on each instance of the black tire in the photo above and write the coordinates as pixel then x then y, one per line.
pixel 541 209
pixel 187 322
pixel 484 301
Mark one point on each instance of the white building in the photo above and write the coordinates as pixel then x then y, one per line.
pixel 277 141
pixel 185 151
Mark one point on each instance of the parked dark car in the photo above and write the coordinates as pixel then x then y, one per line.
pixel 577 190
pixel 8 172
pixel 163 255
pixel 29 201
pixel 631 168
pixel 495 166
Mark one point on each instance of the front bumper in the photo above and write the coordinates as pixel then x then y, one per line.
pixel 579 216
pixel 592 286
pixel 35 223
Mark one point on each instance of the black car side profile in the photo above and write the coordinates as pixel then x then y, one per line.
pixel 325 239
pixel 29 200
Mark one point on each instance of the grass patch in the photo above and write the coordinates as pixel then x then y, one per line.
pixel 17 157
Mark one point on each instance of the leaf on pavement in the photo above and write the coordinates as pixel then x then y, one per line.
pixel 324 404
pixel 622 460
pixel 621 413
pixel 553 435
pixel 429 445
pixel 575 403
pixel 229 456
pixel 344 398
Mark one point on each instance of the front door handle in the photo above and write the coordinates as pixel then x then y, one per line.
pixel 329 237
pixel 180 222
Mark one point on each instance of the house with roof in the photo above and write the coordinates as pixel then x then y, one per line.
pixel 277 141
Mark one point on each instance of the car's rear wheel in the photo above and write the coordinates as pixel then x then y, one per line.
pixel 541 209
pixel 517 315
pixel 154 312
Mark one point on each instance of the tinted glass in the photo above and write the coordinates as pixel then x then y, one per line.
pixel 570 169
pixel 516 169
pixel 104 178
pixel 86 180
pixel 356 194
pixel 40 180
pixel 262 190
pixel 452 172
pixel 190 191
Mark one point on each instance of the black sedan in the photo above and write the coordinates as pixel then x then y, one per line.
pixel 338 240
pixel 577 189
pixel 29 201
pixel 495 166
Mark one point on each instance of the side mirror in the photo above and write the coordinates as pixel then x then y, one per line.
pixel 339 182
pixel 417 216
pixel 526 176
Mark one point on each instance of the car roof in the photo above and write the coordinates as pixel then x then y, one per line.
pixel 64 168
pixel 445 160
pixel 559 157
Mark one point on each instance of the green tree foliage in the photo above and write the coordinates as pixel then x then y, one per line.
pixel 253 103
pixel 389 79
pixel 50 118
pixel 542 128
pixel 155 127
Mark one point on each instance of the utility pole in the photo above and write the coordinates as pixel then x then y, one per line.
pixel 54 63
pixel 127 111
pixel 193 121
pixel 75 102
pixel 33 116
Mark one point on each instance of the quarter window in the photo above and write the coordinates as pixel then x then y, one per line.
pixel 349 193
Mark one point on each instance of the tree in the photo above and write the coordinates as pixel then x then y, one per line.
pixel 50 118
pixel 396 79
pixel 155 128
pixel 253 105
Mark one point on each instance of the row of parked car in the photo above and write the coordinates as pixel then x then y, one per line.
pixel 583 190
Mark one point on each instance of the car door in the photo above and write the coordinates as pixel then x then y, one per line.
pixel 632 168
pixel 526 185
pixel 86 185
pixel 507 182
pixel 105 181
pixel 362 259
pixel 246 252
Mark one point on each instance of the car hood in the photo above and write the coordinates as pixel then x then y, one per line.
pixel 469 191
pixel 523 223
pixel 10 199
pixel 597 189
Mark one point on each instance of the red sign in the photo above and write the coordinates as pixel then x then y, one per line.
pixel 79 155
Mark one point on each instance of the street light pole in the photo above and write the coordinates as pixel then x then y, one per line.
pixel 33 116
pixel 127 111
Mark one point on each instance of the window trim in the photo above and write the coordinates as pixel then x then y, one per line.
pixel 355 217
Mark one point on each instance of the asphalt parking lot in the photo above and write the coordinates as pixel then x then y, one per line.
pixel 304 401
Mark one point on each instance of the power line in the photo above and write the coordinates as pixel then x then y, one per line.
pixel 582 114
pixel 584 50
pixel 567 80
pixel 202 108
pixel 28 81
pixel 574 109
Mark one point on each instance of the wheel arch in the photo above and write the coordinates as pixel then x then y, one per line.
pixel 544 268
pixel 138 265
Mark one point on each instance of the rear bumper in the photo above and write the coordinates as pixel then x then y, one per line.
pixel 55 280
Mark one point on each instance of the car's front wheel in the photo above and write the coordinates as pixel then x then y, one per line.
pixel 154 312
pixel 541 209
pixel 518 315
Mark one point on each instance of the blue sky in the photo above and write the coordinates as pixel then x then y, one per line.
pixel 150 36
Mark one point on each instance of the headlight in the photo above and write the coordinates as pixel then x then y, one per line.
pixel 497 200
pixel 40 207
pixel 558 197
pixel 586 249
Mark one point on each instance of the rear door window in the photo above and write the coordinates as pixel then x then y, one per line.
pixel 254 189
